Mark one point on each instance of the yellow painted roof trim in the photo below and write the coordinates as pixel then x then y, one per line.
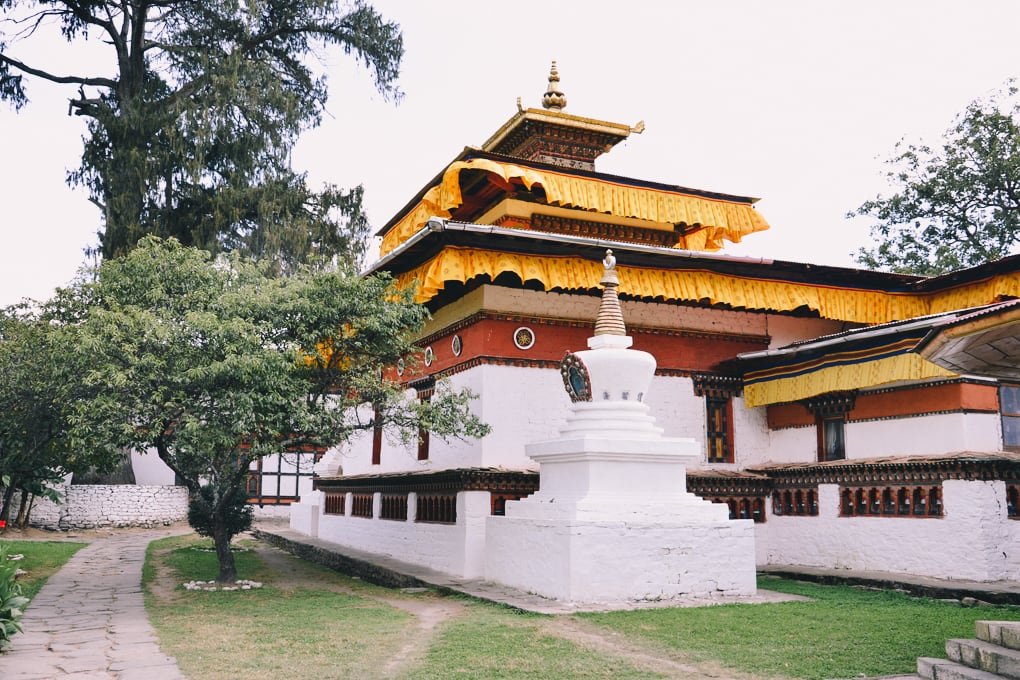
pixel 715 219
pixel 691 285
pixel 862 375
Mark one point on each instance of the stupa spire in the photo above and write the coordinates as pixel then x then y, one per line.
pixel 610 318
pixel 554 99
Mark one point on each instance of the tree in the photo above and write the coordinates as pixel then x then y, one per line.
pixel 37 390
pixel 213 364
pixel 956 206
pixel 190 136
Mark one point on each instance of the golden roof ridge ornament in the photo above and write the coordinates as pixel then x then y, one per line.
pixel 610 317
pixel 554 99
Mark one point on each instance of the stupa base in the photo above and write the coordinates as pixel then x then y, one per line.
pixel 616 562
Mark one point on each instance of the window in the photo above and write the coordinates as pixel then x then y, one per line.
pixel 1009 407
pixel 425 388
pixel 831 410
pixel 832 438
pixel 719 429
pixel 377 437
pixel 718 391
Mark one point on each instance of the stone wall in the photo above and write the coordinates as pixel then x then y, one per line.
pixel 126 505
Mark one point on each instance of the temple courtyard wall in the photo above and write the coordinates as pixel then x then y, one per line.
pixel 93 506
pixel 973 540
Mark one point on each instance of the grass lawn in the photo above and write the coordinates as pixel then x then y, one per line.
pixel 311 622
pixel 842 632
pixel 42 560
pixel 493 642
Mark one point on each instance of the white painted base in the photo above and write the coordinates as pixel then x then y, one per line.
pixel 611 563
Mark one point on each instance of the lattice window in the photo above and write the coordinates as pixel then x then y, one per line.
pixel 831 411
pixel 335 504
pixel 743 507
pixel 719 429
pixel 361 505
pixel 497 502
pixel 904 501
pixel 394 506
pixel 718 391
pixel 795 502
pixel 437 508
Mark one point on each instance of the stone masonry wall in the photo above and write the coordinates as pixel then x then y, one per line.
pixel 93 506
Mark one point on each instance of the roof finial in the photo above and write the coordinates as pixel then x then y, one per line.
pixel 610 318
pixel 554 99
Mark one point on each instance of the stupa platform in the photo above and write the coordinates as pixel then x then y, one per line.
pixel 388 571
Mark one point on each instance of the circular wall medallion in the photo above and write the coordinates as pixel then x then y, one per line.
pixel 400 367
pixel 524 338
pixel 575 378
pixel 430 356
pixel 457 345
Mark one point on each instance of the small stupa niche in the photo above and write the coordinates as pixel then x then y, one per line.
pixel 551 135
pixel 613 522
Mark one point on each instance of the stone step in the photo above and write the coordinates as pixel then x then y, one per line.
pixel 944 669
pixel 1002 633
pixel 986 656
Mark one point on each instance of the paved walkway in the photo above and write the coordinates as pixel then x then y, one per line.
pixel 88 621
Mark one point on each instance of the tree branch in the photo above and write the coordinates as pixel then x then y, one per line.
pixel 76 80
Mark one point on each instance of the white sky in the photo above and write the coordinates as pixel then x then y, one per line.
pixel 793 102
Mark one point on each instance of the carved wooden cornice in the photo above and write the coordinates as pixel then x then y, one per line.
pixel 719 386
pixel 440 481
pixel 831 403
pixel 707 484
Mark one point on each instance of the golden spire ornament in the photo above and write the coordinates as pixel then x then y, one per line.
pixel 554 99
pixel 610 318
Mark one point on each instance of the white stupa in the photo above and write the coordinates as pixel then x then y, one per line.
pixel 613 521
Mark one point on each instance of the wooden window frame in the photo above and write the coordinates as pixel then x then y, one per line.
pixel 377 436
pixel 1003 415
pixel 716 438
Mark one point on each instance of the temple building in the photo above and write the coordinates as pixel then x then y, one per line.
pixel 861 420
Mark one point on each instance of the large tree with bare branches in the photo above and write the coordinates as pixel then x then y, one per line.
pixel 190 130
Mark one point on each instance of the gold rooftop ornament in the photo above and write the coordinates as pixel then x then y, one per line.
pixel 610 317
pixel 554 99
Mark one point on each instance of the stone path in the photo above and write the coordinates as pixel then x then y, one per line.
pixel 89 621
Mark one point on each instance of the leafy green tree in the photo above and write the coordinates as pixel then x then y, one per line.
pixel 954 206
pixel 38 385
pixel 190 131
pixel 213 364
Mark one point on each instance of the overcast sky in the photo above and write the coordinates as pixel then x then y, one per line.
pixel 794 102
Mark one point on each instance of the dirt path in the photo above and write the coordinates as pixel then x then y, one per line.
pixel 428 609
pixel 641 655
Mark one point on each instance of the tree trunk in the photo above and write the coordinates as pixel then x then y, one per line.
pixel 20 521
pixel 28 512
pixel 221 538
pixel 5 509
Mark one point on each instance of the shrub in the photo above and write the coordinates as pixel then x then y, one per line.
pixel 12 602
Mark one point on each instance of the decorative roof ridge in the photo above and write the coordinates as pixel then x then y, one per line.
pixel 469 153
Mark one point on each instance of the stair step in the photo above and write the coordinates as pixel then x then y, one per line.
pixel 986 656
pixel 1003 633
pixel 944 669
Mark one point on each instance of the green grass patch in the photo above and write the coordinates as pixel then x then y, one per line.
pixel 42 560
pixel 278 630
pixel 843 632
pixel 494 642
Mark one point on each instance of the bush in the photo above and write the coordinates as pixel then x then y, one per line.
pixel 12 602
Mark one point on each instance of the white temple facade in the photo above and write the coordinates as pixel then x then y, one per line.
pixel 848 419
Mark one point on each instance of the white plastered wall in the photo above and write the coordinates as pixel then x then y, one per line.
pixel 456 549
pixel 974 540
